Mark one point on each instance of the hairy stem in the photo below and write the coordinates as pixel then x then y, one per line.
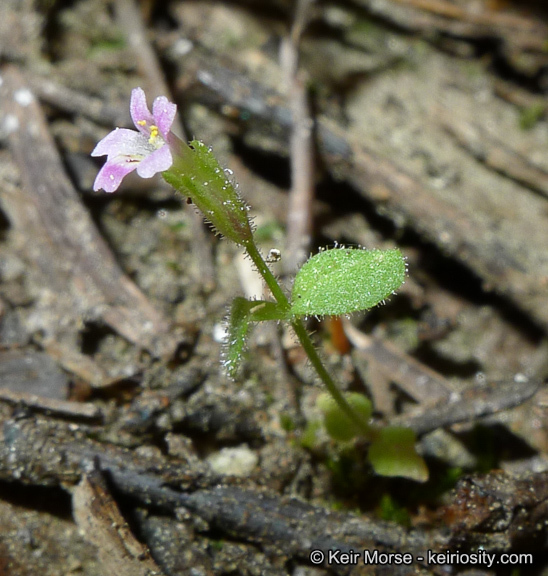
pixel 304 338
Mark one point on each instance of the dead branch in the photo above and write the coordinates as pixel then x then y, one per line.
pixel 299 214
pixel 475 403
pixel 102 523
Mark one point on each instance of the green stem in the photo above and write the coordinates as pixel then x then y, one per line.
pixel 267 275
pixel 332 387
pixel 304 338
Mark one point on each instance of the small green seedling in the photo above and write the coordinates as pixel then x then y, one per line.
pixel 337 424
pixel 333 282
pixel 392 450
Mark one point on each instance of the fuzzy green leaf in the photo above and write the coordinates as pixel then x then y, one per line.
pixel 337 423
pixel 237 329
pixel 345 280
pixel 242 313
pixel 393 453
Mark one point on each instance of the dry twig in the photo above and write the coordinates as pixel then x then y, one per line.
pixel 100 520
pixel 299 216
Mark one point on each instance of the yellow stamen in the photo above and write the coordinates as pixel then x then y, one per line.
pixel 142 122
pixel 153 134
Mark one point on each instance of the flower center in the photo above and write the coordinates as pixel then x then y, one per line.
pixel 154 139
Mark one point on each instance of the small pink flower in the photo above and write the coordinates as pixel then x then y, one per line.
pixel 146 151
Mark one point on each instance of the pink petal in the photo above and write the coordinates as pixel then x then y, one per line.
pixel 164 114
pixel 158 161
pixel 111 175
pixel 117 142
pixel 139 110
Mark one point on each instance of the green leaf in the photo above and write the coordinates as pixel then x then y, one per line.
pixel 262 311
pixel 237 329
pixel 393 453
pixel 242 313
pixel 336 421
pixel 345 280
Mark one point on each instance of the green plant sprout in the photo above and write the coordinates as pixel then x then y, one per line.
pixel 333 282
